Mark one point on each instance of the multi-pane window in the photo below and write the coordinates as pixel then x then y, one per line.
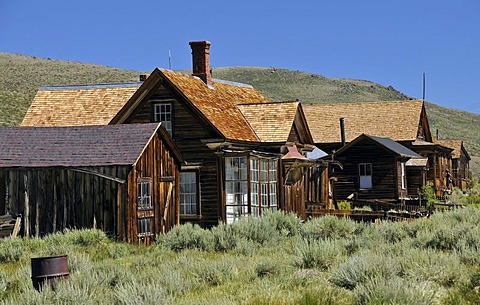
pixel 365 174
pixel 144 204
pixel 144 226
pixel 144 195
pixel 188 193
pixel 163 113
pixel 258 173
pixel 236 187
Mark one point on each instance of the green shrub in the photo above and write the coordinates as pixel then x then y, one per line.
pixel 11 250
pixel 187 236
pixel 443 268
pixel 330 226
pixel 344 205
pixel 361 267
pixel 286 224
pixel 395 290
pixel 319 253
pixel 257 229
pixel 215 272
pixel 267 267
pixel 225 237
pixel 84 237
pixel 139 293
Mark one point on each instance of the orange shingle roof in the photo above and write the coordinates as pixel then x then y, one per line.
pixel 78 105
pixel 218 104
pixel 454 144
pixel 272 122
pixel 397 120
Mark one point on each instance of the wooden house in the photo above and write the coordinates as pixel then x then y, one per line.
pixel 460 162
pixel 230 136
pixel 376 168
pixel 122 179
pixel 405 122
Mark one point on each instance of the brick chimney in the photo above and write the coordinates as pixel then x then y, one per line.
pixel 201 60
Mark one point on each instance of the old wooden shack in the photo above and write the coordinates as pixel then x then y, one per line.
pixel 460 162
pixel 405 122
pixel 122 179
pixel 376 168
pixel 230 136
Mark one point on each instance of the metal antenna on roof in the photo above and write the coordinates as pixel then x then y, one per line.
pixel 423 95
pixel 169 60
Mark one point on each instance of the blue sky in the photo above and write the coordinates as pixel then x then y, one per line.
pixel 388 42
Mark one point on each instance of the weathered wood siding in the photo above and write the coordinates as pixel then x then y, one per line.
pixel 55 199
pixel 158 165
pixel 384 173
pixel 190 134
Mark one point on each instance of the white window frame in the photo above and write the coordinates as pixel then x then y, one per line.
pixel 144 194
pixel 189 195
pixel 403 175
pixel 163 112
pixel 250 189
pixel 365 176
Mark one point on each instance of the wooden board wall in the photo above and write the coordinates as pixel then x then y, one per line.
pixel 55 199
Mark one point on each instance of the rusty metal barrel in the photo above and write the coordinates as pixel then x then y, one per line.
pixel 48 270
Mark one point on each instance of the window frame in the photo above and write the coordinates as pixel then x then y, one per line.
pixel 260 183
pixel 168 125
pixel 141 182
pixel 197 193
pixel 145 224
pixel 361 181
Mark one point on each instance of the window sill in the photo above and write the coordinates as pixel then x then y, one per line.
pixel 190 217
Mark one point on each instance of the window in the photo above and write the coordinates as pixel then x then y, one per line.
pixel 144 195
pixel 188 193
pixel 145 226
pixel 258 173
pixel 144 207
pixel 163 113
pixel 236 187
pixel 365 173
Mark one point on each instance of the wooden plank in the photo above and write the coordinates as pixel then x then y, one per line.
pixel 16 227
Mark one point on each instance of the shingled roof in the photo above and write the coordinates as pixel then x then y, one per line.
pixel 218 103
pixel 272 122
pixel 75 145
pixel 398 120
pixel 456 145
pixel 386 143
pixel 78 104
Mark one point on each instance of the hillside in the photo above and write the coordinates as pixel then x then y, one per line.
pixel 21 75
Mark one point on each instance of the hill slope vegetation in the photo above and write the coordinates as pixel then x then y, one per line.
pixel 21 76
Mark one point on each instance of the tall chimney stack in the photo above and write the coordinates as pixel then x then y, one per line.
pixel 201 60
pixel 342 130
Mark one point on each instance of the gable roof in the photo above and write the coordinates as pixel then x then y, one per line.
pixel 398 120
pixel 456 145
pixel 78 105
pixel 387 143
pixel 76 145
pixel 218 104
pixel 272 122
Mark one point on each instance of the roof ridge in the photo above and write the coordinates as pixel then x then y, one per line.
pixel 90 86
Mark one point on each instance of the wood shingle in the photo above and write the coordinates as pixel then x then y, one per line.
pixel 398 120
pixel 78 105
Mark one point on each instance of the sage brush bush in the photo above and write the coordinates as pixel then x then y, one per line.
pixel 187 236
pixel 330 226
pixel 395 290
pixel 319 253
pixel 361 267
